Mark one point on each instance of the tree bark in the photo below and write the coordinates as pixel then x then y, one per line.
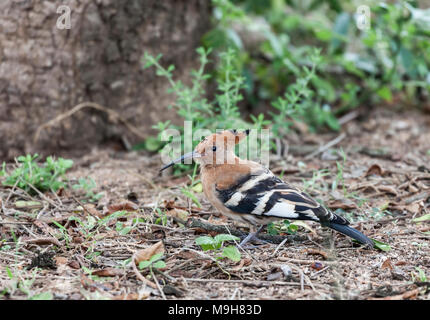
pixel 45 71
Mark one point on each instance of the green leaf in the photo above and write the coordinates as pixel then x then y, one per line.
pixel 156 256
pixel 381 246
pixel 42 296
pixel 159 264
pixel 425 217
pixel 385 93
pixel 153 144
pixel 340 31
pixel 9 273
pixel 220 238
pixel 191 196
pixel 198 188
pixel 144 264
pixel 26 204
pixel 125 230
pixel 206 243
pixel 232 253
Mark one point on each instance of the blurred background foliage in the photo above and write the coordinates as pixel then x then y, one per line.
pixel 303 61
pixel 275 38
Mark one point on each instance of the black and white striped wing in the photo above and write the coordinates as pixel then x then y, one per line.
pixel 264 194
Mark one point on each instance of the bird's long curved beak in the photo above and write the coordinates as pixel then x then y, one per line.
pixel 188 155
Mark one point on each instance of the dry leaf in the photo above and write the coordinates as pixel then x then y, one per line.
pixel 108 272
pixel 45 241
pixel 187 255
pixel 133 296
pixel 343 204
pixel 387 264
pixel 387 189
pixel 216 221
pixel 91 209
pixel 178 213
pixel 74 264
pixel 406 295
pixel 123 206
pixel 414 208
pixel 243 262
pixel 375 169
pixel 317 251
pixel 147 253
pixel 60 260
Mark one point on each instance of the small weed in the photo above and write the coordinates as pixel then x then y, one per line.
pixel 195 186
pixel 154 262
pixel 317 176
pixel 421 275
pixel 285 226
pixel 64 233
pixel 162 217
pixel 29 174
pixel 88 185
pixel 17 282
pixel 215 243
pixel 423 218
pixel 380 245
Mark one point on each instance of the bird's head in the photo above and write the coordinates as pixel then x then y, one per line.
pixel 218 148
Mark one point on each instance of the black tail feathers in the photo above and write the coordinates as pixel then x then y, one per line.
pixel 351 232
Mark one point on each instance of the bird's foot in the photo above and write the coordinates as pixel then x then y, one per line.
pixel 252 236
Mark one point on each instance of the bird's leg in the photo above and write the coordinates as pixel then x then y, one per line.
pixel 251 236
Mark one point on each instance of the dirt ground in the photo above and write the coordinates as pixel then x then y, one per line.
pixel 382 186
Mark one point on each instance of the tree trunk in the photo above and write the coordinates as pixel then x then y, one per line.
pixel 45 71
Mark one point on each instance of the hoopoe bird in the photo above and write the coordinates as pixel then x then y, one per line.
pixel 246 191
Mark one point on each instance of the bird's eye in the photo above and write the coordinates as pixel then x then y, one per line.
pixel 213 149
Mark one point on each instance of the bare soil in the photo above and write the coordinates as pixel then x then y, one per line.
pixel 385 184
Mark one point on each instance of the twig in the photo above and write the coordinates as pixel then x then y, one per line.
pixel 234 293
pixel 327 146
pixel 251 282
pixel 82 105
pixel 279 246
pixel 139 275
pixel 348 117
pixel 158 285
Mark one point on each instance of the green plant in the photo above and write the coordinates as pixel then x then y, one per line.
pixel 317 176
pixel 390 59
pixel 421 275
pixel 154 262
pixel 191 103
pixel 215 243
pixel 88 185
pixel 25 286
pixel 161 218
pixel 63 232
pixel 284 226
pixel 29 174
pixel 195 186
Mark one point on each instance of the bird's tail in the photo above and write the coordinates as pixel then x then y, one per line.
pixel 351 232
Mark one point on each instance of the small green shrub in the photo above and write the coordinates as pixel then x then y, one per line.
pixel 88 185
pixel 154 262
pixel 215 243
pixel 29 174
